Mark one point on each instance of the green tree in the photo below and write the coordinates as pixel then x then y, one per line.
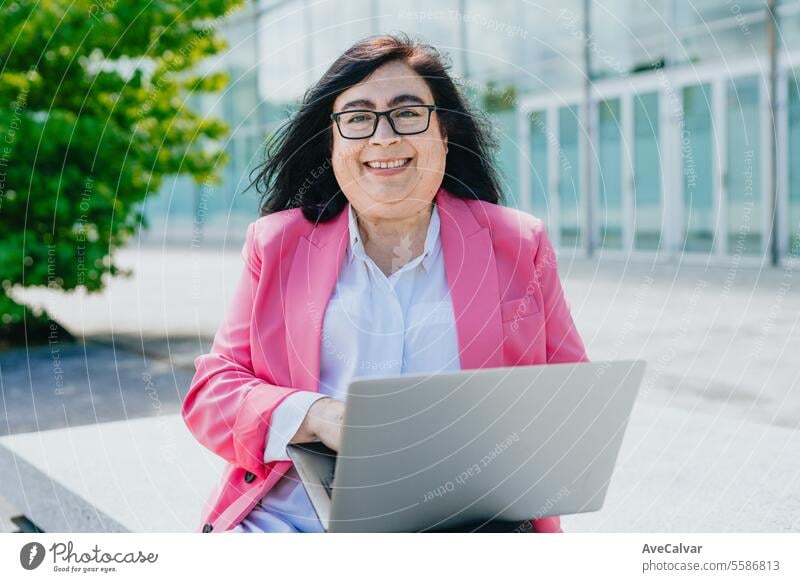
pixel 93 115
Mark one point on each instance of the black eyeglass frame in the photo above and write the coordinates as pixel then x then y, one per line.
pixel 378 114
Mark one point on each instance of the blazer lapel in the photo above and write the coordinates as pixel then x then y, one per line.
pixel 312 279
pixel 470 269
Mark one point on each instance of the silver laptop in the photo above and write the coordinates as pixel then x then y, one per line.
pixel 429 452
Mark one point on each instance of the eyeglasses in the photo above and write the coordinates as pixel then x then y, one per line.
pixel 405 120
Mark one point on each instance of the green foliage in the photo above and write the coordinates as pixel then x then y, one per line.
pixel 496 99
pixel 93 116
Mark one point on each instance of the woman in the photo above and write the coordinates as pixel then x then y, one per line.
pixel 382 249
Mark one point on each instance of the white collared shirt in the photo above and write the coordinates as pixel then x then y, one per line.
pixel 374 326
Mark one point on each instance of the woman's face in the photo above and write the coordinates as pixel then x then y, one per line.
pixel 396 194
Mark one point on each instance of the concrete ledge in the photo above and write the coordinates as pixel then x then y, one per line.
pixel 677 471
pixel 46 502
pixel 8 514
pixel 143 475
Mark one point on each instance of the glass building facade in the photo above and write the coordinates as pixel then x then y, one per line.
pixel 666 152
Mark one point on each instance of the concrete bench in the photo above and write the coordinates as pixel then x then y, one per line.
pixel 678 471
pixel 143 475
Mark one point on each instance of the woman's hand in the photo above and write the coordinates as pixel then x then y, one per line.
pixel 323 422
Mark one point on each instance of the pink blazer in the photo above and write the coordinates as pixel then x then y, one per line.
pixel 507 300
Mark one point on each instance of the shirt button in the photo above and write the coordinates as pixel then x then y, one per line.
pixel 207 528
pixel 249 477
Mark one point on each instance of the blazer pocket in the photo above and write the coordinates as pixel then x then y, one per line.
pixel 516 309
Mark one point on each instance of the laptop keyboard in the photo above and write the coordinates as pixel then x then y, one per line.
pixel 327 480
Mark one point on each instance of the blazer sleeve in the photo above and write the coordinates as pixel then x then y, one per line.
pixel 285 421
pixel 228 408
pixel 564 343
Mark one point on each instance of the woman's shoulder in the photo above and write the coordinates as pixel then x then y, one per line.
pixel 514 232
pixel 506 221
pixel 279 225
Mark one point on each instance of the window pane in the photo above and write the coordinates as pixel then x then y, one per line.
pixel 437 25
pixel 610 174
pixel 720 30
pixel 789 23
pixel 569 182
pixel 493 39
pixel 697 156
pixel 627 36
pixel 794 162
pixel 551 48
pixel 647 172
pixel 283 75
pixel 335 26
pixel 505 123
pixel 744 200
pixel 538 170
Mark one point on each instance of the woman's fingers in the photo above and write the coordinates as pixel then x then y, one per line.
pixel 327 416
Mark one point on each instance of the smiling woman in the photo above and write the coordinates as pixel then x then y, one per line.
pixel 376 74
pixel 382 250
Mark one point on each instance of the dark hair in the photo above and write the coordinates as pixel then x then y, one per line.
pixel 297 171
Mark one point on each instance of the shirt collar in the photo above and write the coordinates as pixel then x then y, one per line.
pixel 429 251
